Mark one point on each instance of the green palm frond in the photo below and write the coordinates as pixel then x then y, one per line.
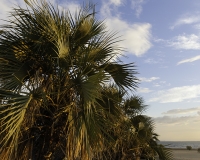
pixel 134 105
pixel 53 71
pixel 122 74
pixel 12 115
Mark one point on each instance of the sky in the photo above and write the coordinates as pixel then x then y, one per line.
pixel 162 38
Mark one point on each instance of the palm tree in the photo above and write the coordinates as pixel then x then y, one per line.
pixel 145 143
pixel 133 132
pixel 53 67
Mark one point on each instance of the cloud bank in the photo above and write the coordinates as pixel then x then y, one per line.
pixel 182 111
pixel 175 120
pixel 177 94
pixel 186 42
pixel 175 116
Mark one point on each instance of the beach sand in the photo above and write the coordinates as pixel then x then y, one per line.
pixel 184 154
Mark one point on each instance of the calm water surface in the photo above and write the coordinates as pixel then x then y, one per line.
pixel 181 144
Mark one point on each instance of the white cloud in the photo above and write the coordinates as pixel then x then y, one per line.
pixel 189 60
pixel 137 6
pixel 177 94
pixel 151 61
pixel 162 84
pixel 188 19
pixel 136 37
pixel 158 40
pixel 186 42
pixel 144 90
pixel 143 79
pixel 182 111
pixel 116 2
pixel 157 85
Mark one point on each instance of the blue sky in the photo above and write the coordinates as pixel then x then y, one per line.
pixel 163 39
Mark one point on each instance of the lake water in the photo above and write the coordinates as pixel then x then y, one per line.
pixel 181 144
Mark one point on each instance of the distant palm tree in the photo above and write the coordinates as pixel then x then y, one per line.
pixel 134 136
pixel 53 68
pixel 146 141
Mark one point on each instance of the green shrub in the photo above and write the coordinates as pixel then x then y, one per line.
pixel 189 148
pixel 198 150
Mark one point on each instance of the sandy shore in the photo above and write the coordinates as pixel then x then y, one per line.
pixel 184 154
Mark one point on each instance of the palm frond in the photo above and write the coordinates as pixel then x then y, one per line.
pixel 123 75
pixel 12 115
pixel 53 71
pixel 134 105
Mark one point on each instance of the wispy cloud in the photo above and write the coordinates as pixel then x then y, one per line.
pixel 110 8
pixel 143 79
pixel 182 111
pixel 113 5
pixel 197 26
pixel 137 6
pixel 186 19
pixel 162 84
pixel 72 6
pixel 116 2
pixel 186 42
pixel 177 94
pixel 171 120
pixel 152 61
pixel 144 90
pixel 189 60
